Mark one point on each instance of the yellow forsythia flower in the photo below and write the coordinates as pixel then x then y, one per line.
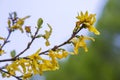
pixel 35 58
pixel 19 24
pixel 80 43
pixel 12 68
pixel 63 54
pixel 24 63
pixel 88 22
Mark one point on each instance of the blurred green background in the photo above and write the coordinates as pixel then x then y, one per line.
pixel 102 62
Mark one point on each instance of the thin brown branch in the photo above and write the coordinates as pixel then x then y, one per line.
pixel 13 20
pixel 6 40
pixel 5 60
pixel 29 44
pixel 64 43
pixel 18 78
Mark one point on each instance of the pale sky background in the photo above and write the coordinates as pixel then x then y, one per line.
pixel 60 14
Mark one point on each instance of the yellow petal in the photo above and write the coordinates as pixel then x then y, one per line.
pixel 59 56
pixel 65 54
pixel 86 13
pixel 94 30
pixel 20 22
pixel 85 48
pixel 75 51
pixel 81 13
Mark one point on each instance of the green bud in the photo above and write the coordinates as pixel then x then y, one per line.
pixel 39 22
pixel 47 43
pixel 13 53
pixel 15 14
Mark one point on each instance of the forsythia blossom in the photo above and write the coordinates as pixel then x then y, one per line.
pixel 87 21
pixel 18 24
pixel 80 43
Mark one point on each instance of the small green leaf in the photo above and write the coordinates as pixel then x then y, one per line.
pixel 50 27
pixel 38 36
pixel 13 53
pixel 39 22
pixel 3 75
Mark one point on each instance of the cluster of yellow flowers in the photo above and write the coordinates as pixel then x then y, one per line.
pixel 18 24
pixel 35 64
pixel 85 21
